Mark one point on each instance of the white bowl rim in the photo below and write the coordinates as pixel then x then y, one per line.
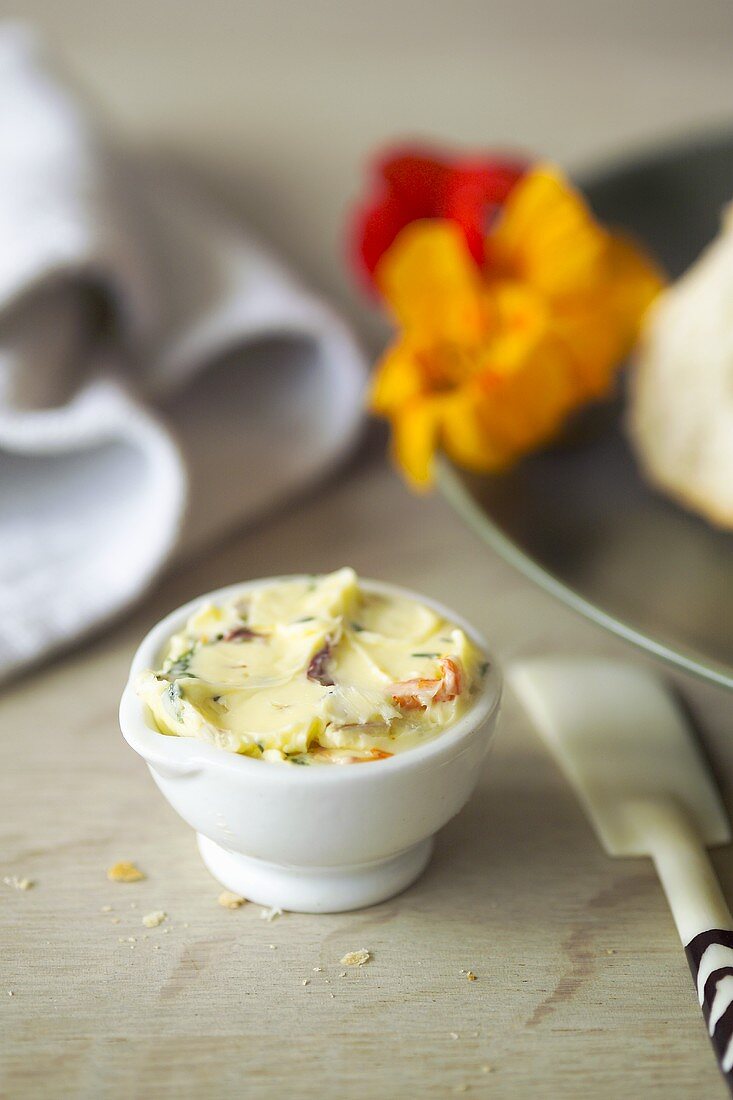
pixel 187 754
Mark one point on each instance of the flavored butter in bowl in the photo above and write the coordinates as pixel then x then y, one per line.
pixel 316 732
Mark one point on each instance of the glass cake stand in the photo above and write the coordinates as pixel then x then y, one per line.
pixel 578 519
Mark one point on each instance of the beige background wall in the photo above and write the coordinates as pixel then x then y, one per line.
pixel 279 103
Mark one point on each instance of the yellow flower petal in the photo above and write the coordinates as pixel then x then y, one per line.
pixel 431 283
pixel 600 328
pixel 521 323
pixel 499 417
pixel 416 428
pixel 397 379
pixel 636 283
pixel 466 438
pixel 546 236
pixel 595 348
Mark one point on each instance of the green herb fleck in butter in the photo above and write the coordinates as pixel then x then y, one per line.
pixel 313 671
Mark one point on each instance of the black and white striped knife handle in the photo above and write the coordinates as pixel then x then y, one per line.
pixel 710 955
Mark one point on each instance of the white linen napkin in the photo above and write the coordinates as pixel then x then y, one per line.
pixel 161 376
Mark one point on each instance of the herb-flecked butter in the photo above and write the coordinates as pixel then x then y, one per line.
pixel 314 670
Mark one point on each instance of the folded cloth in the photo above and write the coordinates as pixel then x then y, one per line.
pixel 161 376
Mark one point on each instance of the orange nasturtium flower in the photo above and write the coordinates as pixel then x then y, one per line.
pixel 490 359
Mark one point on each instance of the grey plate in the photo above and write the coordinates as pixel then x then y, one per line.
pixel 578 519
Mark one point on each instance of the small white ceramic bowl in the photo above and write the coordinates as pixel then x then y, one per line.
pixel 321 839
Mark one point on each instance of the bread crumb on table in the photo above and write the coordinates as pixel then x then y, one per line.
pixel 125 871
pixel 470 976
pixel 356 958
pixel 18 883
pixel 229 900
pixel 152 920
pixel 271 914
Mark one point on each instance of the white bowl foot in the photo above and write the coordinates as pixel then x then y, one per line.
pixel 315 889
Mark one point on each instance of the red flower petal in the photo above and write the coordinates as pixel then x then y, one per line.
pixel 475 195
pixel 415 183
pixel 419 180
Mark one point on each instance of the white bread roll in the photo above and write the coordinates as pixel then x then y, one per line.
pixel 681 398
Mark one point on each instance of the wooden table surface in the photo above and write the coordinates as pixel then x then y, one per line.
pixel 582 986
